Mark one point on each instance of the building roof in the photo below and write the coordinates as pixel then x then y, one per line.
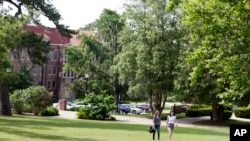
pixel 75 41
pixel 49 33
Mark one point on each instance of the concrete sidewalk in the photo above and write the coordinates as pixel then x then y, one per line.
pixel 183 122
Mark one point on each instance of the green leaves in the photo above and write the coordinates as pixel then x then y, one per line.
pixel 219 40
pixel 36 47
pixel 38 97
pixel 150 49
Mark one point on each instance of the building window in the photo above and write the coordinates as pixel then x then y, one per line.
pixel 35 71
pixel 65 59
pixel 49 85
pixel 68 74
pixel 52 70
pixel 53 55
pixel 53 84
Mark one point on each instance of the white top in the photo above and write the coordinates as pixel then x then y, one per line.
pixel 171 119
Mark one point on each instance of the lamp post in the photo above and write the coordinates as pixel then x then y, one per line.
pixel 8 70
pixel 87 78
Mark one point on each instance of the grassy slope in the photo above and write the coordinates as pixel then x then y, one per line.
pixel 23 128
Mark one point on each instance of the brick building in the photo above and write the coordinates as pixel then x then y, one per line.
pixel 51 74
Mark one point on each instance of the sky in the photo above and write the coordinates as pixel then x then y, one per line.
pixel 77 13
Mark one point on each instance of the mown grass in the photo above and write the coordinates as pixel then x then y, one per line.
pixel 28 128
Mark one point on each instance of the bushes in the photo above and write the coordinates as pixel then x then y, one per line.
pixel 17 102
pixel 198 112
pixel 242 112
pixel 102 104
pixel 199 106
pixel 32 98
pixel 49 111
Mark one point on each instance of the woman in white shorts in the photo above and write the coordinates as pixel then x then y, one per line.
pixel 171 123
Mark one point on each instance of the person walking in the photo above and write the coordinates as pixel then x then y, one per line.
pixel 156 125
pixel 171 123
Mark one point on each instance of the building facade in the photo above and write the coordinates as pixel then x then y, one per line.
pixel 51 74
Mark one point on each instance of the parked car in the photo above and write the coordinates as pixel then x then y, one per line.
pixel 70 105
pixel 81 104
pixel 124 108
pixel 144 107
pixel 134 109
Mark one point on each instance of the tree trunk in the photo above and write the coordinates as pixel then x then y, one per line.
pixel 5 100
pixel 157 102
pixel 217 111
pixel 36 111
pixel 150 102
pixel 163 103
pixel 116 90
pixel 221 112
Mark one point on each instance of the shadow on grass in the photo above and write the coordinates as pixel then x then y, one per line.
pixel 42 136
pixel 18 132
pixel 46 123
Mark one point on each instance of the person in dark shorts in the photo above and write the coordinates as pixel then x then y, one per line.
pixel 171 123
pixel 156 125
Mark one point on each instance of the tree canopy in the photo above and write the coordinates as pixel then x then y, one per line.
pixel 218 50
pixel 43 7
pixel 150 50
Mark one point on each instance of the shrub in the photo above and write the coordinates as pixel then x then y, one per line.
pixel 198 112
pixel 33 98
pixel 206 112
pixel 103 105
pixel 38 97
pixel 80 114
pixel 72 109
pixel 49 111
pixel 27 108
pixel 17 102
pixel 242 112
pixel 199 106
pixel 75 108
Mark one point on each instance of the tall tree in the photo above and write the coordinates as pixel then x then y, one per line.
pixel 109 24
pixel 150 50
pixel 90 57
pixel 219 50
pixel 8 31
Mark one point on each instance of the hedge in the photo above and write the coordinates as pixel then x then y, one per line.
pixel 206 112
pixel 49 111
pixel 198 112
pixel 242 112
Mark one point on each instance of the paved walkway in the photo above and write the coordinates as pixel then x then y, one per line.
pixel 184 122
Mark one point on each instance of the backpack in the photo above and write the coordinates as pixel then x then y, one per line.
pixel 151 129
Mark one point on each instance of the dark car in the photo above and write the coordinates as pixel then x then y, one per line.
pixel 123 108
pixel 144 107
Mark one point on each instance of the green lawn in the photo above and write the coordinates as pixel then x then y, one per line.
pixel 23 128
